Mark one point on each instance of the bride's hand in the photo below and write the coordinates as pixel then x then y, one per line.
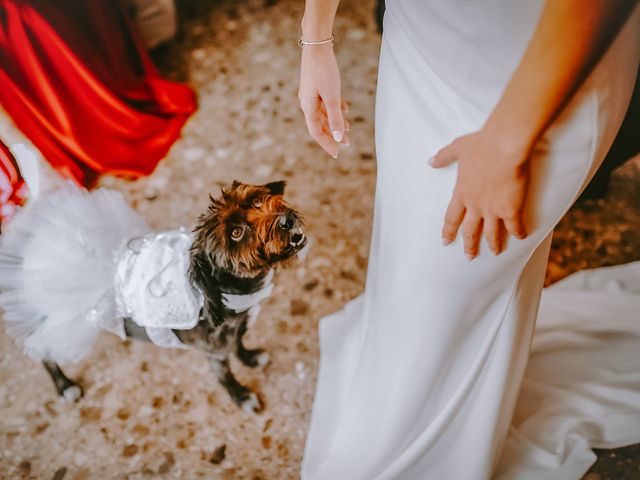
pixel 490 191
pixel 320 98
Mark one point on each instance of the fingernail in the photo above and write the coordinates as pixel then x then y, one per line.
pixel 445 241
pixel 335 156
pixel 337 135
pixel 431 160
pixel 470 256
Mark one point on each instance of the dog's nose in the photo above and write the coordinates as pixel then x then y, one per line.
pixel 287 221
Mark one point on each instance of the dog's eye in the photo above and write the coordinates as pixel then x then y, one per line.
pixel 257 203
pixel 237 233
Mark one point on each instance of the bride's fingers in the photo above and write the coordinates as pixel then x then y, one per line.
pixel 492 228
pixel 452 220
pixel 314 119
pixel 347 124
pixel 345 139
pixel 471 233
pixel 515 226
pixel 444 157
pixel 335 117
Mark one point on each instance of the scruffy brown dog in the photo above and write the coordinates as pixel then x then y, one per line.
pixel 246 233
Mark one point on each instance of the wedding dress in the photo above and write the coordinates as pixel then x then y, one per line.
pixel 419 377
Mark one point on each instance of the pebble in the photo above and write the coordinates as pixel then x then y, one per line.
pixel 299 307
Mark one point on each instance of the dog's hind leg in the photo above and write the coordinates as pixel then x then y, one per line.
pixel 67 388
pixel 241 395
pixel 256 357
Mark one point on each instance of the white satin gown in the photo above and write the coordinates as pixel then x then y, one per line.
pixel 419 377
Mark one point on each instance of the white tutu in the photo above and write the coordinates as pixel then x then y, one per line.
pixel 57 266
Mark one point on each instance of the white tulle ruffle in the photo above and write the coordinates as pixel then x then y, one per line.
pixel 57 265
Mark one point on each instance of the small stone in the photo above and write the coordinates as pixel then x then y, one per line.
pixel 263 170
pixel 41 427
pixel 194 153
pixel 145 411
pixel 349 275
pixel 222 152
pixel 300 370
pixel 266 441
pixel 122 413
pixel 25 467
pixel 157 402
pixel 169 462
pixel 60 473
pixel 82 474
pixel 141 430
pixel 267 424
pixel 218 454
pixel 90 413
pixel 182 443
pixel 130 450
pixel 299 307
pixel 311 284
pixel 262 142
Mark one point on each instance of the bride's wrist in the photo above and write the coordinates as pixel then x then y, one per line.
pixel 315 29
pixel 513 141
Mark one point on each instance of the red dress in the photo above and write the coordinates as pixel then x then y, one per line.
pixel 79 84
pixel 13 190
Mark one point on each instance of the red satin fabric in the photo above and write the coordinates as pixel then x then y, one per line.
pixel 77 82
pixel 13 190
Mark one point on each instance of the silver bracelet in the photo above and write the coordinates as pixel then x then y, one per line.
pixel 302 43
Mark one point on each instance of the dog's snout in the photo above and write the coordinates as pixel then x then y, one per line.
pixel 296 238
pixel 287 221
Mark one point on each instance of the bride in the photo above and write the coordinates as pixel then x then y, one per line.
pixel 491 118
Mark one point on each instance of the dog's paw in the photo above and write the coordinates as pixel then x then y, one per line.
pixel 72 393
pixel 252 404
pixel 262 359
pixel 254 358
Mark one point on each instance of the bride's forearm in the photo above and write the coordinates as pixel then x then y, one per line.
pixel 317 22
pixel 570 38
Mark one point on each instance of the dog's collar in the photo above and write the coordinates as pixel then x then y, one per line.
pixel 239 303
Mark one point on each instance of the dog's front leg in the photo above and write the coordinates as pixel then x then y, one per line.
pixel 255 357
pixel 66 388
pixel 241 395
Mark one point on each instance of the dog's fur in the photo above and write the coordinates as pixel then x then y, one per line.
pixel 225 261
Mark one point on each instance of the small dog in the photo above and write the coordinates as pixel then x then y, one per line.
pixel 244 235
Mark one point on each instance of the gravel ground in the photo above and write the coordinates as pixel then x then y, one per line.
pixel 154 413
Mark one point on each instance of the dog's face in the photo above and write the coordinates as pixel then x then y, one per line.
pixel 248 229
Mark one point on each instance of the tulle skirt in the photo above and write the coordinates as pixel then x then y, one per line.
pixel 57 265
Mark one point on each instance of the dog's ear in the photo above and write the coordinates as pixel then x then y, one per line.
pixel 235 184
pixel 276 188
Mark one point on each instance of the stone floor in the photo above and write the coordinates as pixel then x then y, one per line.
pixel 151 413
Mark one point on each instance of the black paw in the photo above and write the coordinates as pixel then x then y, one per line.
pixel 247 400
pixel 252 404
pixel 254 358
pixel 72 393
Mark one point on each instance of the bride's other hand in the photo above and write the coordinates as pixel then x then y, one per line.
pixel 492 179
pixel 489 193
pixel 320 98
